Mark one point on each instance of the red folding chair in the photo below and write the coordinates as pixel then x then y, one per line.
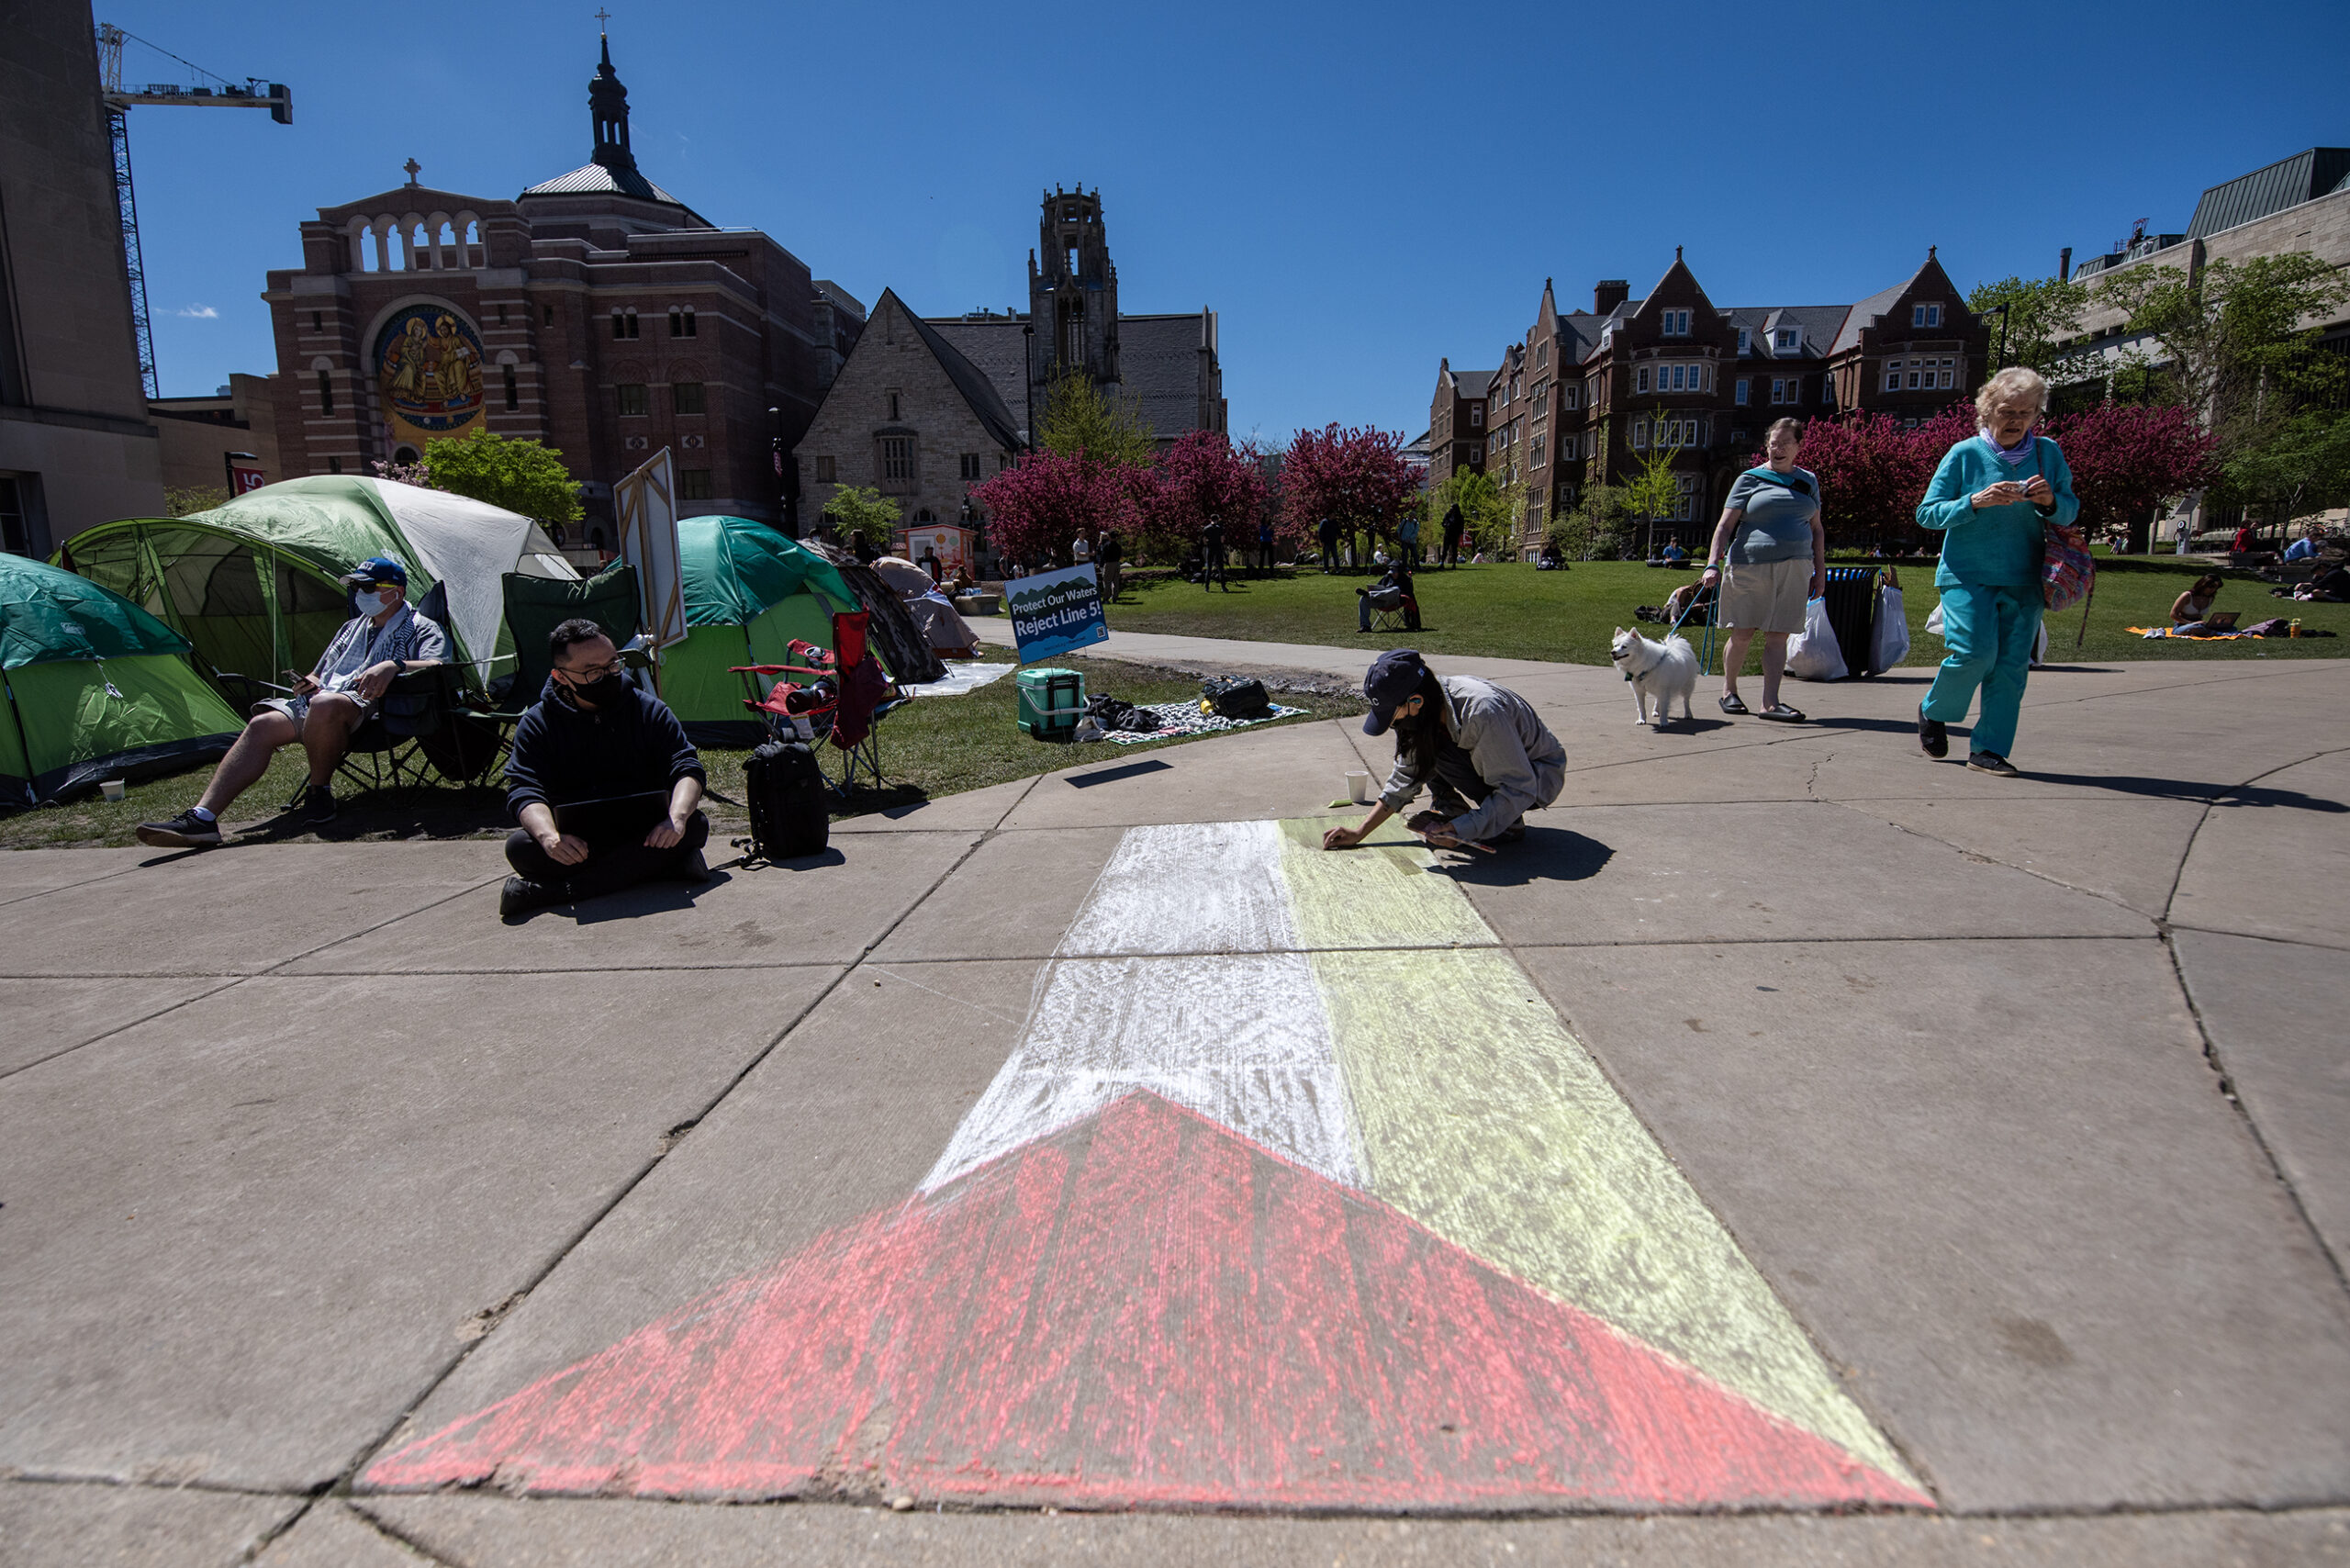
pixel 844 698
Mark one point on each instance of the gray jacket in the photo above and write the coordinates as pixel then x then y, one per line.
pixel 1510 747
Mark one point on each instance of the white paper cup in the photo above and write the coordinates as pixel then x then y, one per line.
pixel 1359 789
pixel 111 789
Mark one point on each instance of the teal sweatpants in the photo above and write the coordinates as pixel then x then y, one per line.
pixel 1989 632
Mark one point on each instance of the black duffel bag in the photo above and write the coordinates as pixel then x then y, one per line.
pixel 1228 696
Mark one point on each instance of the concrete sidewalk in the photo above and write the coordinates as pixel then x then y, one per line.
pixel 2026 1100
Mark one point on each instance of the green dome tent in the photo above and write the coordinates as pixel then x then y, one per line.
pixel 95 688
pixel 749 592
pixel 252 584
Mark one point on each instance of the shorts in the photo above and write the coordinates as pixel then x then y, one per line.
pixel 1766 596
pixel 298 709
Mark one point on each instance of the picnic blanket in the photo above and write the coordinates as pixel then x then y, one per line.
pixel 1185 719
pixel 962 675
pixel 2193 636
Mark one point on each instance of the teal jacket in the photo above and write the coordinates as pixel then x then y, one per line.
pixel 1998 546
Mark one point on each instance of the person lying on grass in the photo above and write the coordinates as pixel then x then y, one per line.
pixel 1479 750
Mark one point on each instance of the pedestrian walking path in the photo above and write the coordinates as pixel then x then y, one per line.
pixel 1789 1121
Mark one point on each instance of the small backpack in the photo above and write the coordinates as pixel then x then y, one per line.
pixel 1228 696
pixel 784 790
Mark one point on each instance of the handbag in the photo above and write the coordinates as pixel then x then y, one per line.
pixel 2067 570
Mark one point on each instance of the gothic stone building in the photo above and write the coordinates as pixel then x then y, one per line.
pixel 909 416
pixel 1587 396
pixel 1167 367
pixel 594 311
pixel 1456 422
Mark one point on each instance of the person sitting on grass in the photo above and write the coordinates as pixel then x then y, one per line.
pixel 340 693
pixel 1392 591
pixel 2305 547
pixel 1479 750
pixel 603 781
pixel 2191 608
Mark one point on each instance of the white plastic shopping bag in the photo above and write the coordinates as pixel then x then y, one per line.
pixel 1812 652
pixel 1934 620
pixel 1892 630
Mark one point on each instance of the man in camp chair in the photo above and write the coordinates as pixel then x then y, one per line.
pixel 386 638
pixel 604 782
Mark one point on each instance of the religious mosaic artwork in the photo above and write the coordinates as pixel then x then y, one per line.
pixel 428 365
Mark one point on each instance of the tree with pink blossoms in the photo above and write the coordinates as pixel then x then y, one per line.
pixel 1354 475
pixel 1036 508
pixel 1199 477
pixel 1873 472
pixel 2127 458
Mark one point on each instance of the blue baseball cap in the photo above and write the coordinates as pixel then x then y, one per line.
pixel 376 570
pixel 1394 676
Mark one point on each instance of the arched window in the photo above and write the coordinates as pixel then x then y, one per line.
pixel 325 392
pixel 624 322
pixel 446 254
pixel 473 256
pixel 370 259
pixel 513 392
pixel 395 249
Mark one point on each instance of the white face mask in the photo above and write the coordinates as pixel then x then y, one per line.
pixel 370 604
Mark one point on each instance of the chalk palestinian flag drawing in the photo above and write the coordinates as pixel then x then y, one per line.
pixel 1295 1194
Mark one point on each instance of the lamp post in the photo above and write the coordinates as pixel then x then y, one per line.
pixel 1029 362
pixel 2001 311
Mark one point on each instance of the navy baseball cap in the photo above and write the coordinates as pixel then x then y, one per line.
pixel 376 570
pixel 1394 676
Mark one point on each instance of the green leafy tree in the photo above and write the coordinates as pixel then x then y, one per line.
pixel 1654 486
pixel 1488 510
pixel 181 503
pixel 2041 312
pixel 2233 341
pixel 521 475
pixel 1599 527
pixel 1080 423
pixel 861 508
pixel 2303 467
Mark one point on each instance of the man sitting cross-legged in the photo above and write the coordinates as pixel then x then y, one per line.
pixel 603 780
pixel 386 638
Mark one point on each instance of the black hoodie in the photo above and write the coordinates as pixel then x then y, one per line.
pixel 563 753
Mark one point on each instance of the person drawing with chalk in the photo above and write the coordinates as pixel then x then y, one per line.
pixel 1479 750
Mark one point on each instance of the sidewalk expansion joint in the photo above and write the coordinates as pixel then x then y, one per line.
pixel 226 982
pixel 344 1482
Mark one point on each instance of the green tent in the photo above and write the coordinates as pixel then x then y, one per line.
pixel 95 688
pixel 252 584
pixel 749 592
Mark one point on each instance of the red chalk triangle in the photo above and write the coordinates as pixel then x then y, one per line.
pixel 1142 1309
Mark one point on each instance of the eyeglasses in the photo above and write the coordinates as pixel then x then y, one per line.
pixel 593 672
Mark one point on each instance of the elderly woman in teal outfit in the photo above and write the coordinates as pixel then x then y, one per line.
pixel 1990 498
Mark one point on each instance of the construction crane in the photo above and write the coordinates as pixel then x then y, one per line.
pixel 211 92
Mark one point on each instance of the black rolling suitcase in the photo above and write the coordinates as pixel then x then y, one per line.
pixel 789 805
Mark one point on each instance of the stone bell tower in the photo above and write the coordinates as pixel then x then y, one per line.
pixel 1072 293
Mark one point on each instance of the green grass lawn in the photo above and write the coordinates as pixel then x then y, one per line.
pixel 932 746
pixel 1511 610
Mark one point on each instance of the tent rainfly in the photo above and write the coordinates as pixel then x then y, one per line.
pixel 749 593
pixel 95 688
pixel 252 585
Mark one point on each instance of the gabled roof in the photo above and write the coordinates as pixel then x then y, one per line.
pixel 1820 323
pixel 978 391
pixel 1865 313
pixel 1472 383
pixel 594 179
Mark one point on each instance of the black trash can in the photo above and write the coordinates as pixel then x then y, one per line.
pixel 1851 612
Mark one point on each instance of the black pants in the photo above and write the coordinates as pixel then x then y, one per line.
pixel 1212 566
pixel 1457 787
pixel 617 858
pixel 1329 554
pixel 1451 556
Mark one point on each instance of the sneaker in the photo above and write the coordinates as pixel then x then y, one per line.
pixel 521 898
pixel 318 805
pixel 185 831
pixel 1514 834
pixel 1993 763
pixel 1933 736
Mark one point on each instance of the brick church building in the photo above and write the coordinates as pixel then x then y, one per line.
pixel 594 311
pixel 1587 396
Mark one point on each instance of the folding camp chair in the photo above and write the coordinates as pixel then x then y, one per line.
pixel 1387 617
pixel 844 700
pixel 534 608
pixel 403 745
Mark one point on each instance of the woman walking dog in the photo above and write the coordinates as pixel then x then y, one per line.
pixel 1770 556
pixel 1478 748
pixel 1990 498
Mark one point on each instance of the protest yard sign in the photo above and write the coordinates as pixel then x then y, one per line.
pixel 1053 612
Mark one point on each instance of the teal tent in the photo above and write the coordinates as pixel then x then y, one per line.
pixel 749 592
pixel 95 688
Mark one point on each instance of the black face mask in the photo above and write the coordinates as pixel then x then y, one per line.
pixel 601 692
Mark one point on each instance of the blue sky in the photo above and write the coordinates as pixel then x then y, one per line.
pixel 1358 188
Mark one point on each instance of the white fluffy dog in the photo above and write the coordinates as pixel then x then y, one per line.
pixel 1662 670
